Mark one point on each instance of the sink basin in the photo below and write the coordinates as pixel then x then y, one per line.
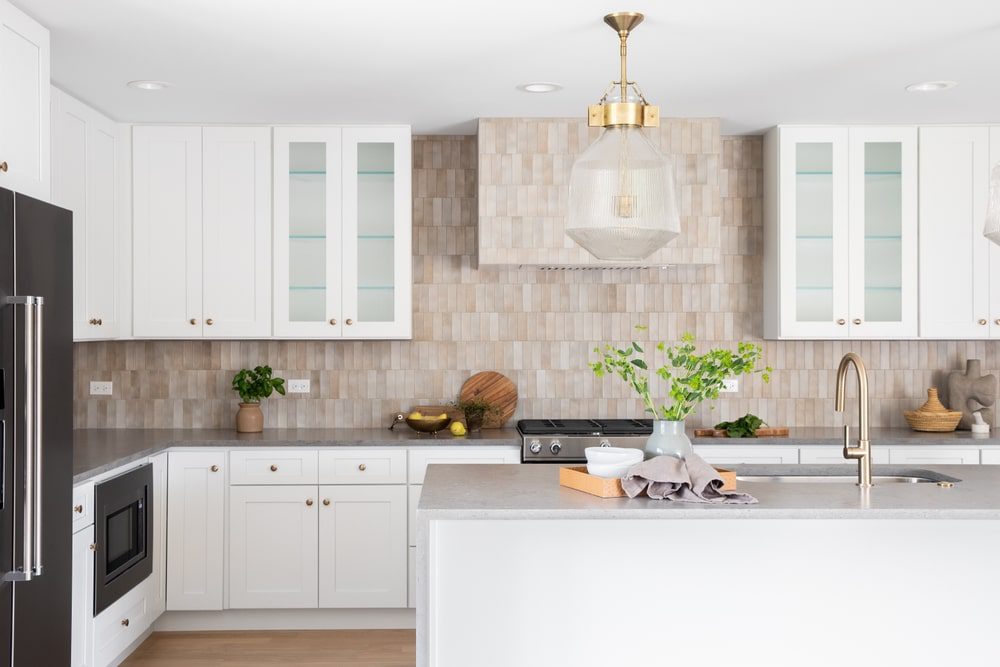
pixel 839 474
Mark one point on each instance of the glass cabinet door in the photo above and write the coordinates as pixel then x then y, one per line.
pixel 307 229
pixel 883 279
pixel 814 232
pixel 377 279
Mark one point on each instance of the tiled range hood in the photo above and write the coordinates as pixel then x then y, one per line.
pixel 524 167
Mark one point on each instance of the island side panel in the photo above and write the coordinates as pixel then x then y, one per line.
pixel 599 592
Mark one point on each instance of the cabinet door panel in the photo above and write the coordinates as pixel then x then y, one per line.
pixel 195 511
pixel 737 454
pixel 994 249
pixel 167 232
pixel 833 454
pixel 363 551
pixel 24 114
pixel 272 547
pixel 237 231
pixel 933 456
pixel 83 598
pixel 954 255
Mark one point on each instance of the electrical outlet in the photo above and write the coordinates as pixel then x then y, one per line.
pixel 730 386
pixel 100 388
pixel 298 386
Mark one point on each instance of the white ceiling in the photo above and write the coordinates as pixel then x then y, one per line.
pixel 439 64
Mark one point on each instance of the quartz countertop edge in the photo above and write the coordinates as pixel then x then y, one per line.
pixel 463 492
pixel 96 451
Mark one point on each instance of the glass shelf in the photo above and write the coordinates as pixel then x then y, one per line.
pixel 376 287
pixel 830 173
pixel 883 237
pixel 307 172
pixel 376 237
pixel 809 288
pixel 814 237
pixel 365 172
pixel 870 288
pixel 306 237
pixel 304 288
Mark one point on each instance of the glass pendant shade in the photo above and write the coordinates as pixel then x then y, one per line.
pixel 992 230
pixel 622 197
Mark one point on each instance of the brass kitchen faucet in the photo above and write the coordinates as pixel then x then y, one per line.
pixel 863 451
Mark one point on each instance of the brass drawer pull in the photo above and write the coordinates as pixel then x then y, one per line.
pixel 362 467
pixel 3 166
pixel 982 323
pixel 125 622
pixel 97 321
pixel 349 321
pixel 326 502
pixel 309 502
pixel 78 509
pixel 93 546
pixel 193 321
pixel 214 468
pixel 333 322
pixel 856 320
pixel 210 321
pixel 274 468
pixel 841 321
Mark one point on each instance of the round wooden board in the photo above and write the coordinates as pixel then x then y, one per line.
pixel 496 388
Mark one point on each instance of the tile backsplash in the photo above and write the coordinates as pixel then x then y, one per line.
pixel 538 327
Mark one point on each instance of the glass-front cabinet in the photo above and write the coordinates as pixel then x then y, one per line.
pixel 840 244
pixel 342 232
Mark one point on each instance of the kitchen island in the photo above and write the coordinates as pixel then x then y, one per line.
pixel 513 569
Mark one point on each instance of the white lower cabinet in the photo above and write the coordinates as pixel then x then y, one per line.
pixel 990 457
pixel 362 546
pixel 411 569
pixel 121 624
pixel 933 456
pixel 195 520
pixel 83 598
pixel 739 454
pixel 273 550
pixel 832 454
pixel 158 579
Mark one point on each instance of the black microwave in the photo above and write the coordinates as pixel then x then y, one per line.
pixel 123 514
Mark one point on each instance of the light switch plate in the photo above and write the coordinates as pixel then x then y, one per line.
pixel 100 388
pixel 298 386
pixel 730 386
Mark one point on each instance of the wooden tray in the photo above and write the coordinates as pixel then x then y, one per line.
pixel 578 478
pixel 765 432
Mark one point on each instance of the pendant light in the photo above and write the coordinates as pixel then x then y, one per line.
pixel 992 229
pixel 622 200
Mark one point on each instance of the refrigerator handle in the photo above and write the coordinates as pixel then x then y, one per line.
pixel 32 531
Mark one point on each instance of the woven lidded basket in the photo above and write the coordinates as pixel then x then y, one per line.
pixel 932 415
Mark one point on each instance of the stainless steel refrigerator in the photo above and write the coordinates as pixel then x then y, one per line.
pixel 36 438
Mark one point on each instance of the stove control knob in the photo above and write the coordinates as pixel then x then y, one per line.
pixel 535 446
pixel 605 443
pixel 555 447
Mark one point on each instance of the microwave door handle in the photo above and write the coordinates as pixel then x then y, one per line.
pixel 31 533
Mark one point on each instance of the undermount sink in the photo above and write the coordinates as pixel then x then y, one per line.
pixel 839 474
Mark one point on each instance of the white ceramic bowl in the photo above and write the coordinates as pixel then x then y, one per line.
pixel 613 455
pixel 609 470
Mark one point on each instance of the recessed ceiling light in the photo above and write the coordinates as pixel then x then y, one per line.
pixel 930 86
pixel 540 87
pixel 148 85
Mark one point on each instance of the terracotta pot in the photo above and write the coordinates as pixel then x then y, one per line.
pixel 250 418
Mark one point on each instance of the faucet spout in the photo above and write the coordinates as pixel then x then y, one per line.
pixel 862 451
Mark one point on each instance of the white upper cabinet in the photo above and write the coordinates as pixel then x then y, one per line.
pixel 236 191
pixel 24 113
pixel 342 232
pixel 954 254
pixel 840 247
pixel 201 232
pixel 85 179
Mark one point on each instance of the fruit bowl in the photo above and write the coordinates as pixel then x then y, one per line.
pixel 428 424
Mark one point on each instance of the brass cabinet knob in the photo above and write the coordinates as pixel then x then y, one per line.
pixel 93 546
pixel 326 502
pixel 309 502
pixel 274 468
pixel 349 321
pixel 3 166
pixel 333 322
pixel 997 321
pixel 841 321
pixel 214 468
pixel 193 321
pixel 856 320
pixel 362 467
pixel 125 622
pixel 982 322
pixel 210 321
pixel 96 321
pixel 78 509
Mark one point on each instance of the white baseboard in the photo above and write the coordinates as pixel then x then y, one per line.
pixel 286 619
pixel 131 648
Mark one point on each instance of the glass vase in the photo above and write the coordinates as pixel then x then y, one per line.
pixel 668 439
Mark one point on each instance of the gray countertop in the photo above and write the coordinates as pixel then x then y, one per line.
pixel 98 450
pixel 880 437
pixel 533 492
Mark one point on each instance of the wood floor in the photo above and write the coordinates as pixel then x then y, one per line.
pixel 344 648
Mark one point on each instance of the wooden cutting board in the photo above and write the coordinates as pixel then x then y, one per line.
pixel 496 388
pixel 765 432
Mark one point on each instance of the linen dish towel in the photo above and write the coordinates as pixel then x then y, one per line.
pixel 691 481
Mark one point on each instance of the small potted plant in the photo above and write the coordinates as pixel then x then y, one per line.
pixel 691 378
pixel 252 386
pixel 476 411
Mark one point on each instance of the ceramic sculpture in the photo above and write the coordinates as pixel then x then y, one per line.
pixel 970 390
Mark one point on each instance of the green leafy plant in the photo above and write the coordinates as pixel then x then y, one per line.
pixel 476 410
pixel 253 385
pixel 692 378
pixel 744 427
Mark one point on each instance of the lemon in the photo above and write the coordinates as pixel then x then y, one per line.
pixel 443 415
pixel 457 428
pixel 416 415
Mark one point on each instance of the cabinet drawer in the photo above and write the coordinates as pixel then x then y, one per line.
pixel 273 466
pixel 832 455
pixel 357 465
pixel 933 456
pixel 121 624
pixel 739 454
pixel 421 458
pixel 991 457
pixel 83 506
